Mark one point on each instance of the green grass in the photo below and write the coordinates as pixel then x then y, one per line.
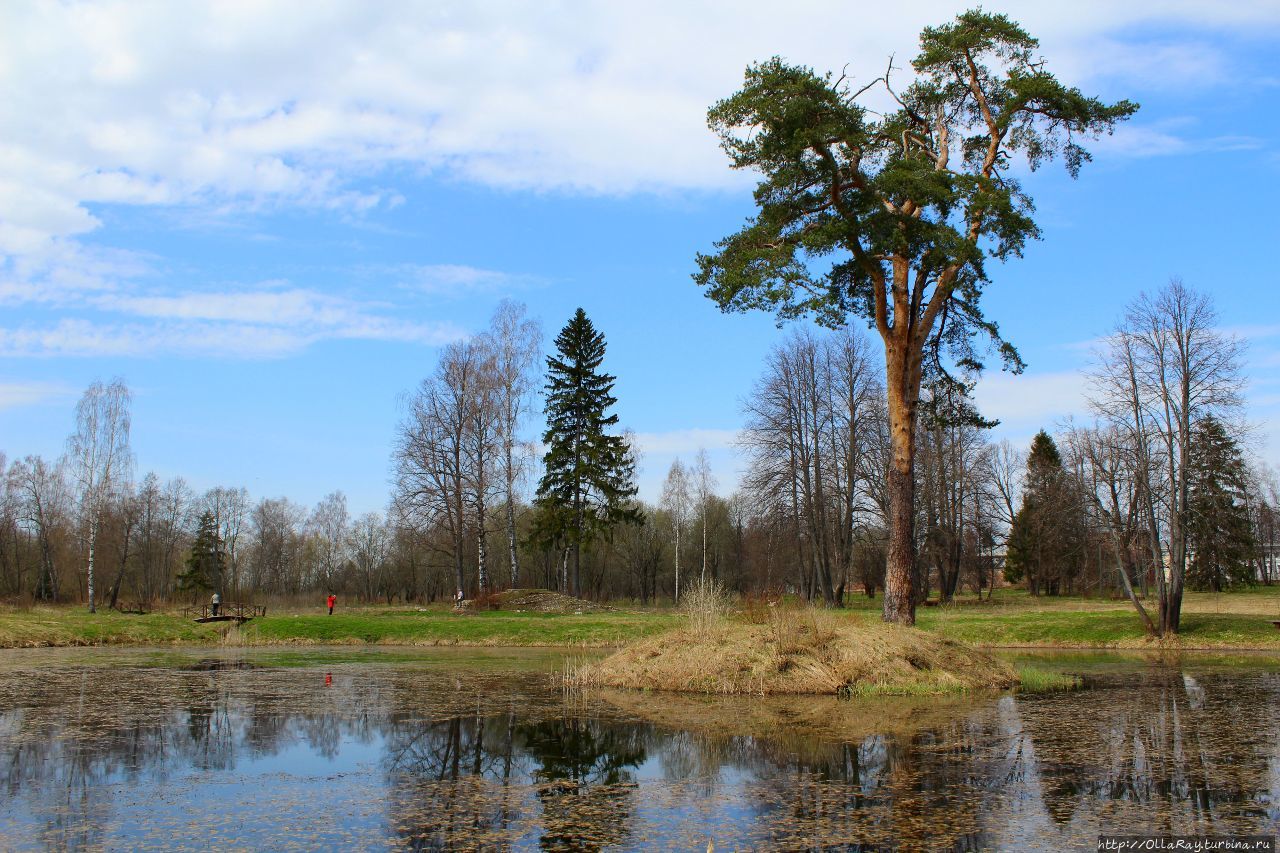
pixel 1236 620
pixel 494 628
pixel 1033 679
pixel 1081 623
pixel 73 626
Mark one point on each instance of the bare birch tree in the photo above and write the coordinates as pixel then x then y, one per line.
pixel 515 342
pixel 446 452
pixel 99 457
pixel 704 484
pixel 675 499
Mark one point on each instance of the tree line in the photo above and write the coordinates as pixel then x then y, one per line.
pixel 1155 493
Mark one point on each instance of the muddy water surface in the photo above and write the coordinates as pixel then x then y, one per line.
pixel 456 750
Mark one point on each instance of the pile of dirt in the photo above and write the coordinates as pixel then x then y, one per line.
pixel 542 601
pixel 803 652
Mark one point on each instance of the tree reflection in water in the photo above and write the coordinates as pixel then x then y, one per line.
pixel 398 756
pixel 474 778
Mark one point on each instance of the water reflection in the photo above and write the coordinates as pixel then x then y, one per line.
pixel 434 757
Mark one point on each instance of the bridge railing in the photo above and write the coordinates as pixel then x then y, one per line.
pixel 235 611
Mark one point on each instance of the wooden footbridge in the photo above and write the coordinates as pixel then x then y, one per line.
pixel 238 613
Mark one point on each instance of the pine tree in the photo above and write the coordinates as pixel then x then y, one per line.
pixel 1044 541
pixel 590 474
pixel 1219 532
pixel 205 564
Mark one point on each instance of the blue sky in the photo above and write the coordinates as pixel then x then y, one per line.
pixel 268 217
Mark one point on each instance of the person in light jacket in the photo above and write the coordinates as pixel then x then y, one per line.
pixel 215 603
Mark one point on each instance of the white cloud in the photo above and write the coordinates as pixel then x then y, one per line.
pixel 1166 138
pixel 1031 401
pixel 459 279
pixel 14 395
pixel 210 108
pixel 231 336
pixel 164 103
pixel 685 442
pixel 293 307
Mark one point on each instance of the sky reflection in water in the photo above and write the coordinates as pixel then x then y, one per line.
pixel 443 750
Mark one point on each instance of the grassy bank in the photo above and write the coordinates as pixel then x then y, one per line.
pixel 73 626
pixel 1238 620
pixel 1012 619
pixel 431 628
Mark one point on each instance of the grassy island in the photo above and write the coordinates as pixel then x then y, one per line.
pixel 799 651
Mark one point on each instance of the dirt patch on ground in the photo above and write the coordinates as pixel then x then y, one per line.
pixel 541 601
pixel 810 652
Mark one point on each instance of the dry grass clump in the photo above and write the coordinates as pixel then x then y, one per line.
pixel 799 651
pixel 705 604
pixel 757 607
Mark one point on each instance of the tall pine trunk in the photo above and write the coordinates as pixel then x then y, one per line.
pixel 903 380
pixel 899 591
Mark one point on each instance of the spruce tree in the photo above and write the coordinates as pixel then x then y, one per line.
pixel 590 474
pixel 1219 531
pixel 1044 541
pixel 205 564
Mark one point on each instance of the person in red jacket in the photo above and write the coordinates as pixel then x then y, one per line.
pixel 332 598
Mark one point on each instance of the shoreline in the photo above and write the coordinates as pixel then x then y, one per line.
pixel 492 643
pixel 1243 624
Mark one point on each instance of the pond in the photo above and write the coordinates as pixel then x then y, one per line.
pixel 478 749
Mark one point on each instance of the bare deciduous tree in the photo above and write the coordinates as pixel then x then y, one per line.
pixel 99 457
pixel 675 499
pixel 1164 368
pixel 446 452
pixel 44 502
pixel 230 509
pixel 369 550
pixel 704 484
pixel 515 344
pixel 275 560
pixel 810 435
pixel 330 526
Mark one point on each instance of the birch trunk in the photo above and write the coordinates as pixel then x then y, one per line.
pixel 93 537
